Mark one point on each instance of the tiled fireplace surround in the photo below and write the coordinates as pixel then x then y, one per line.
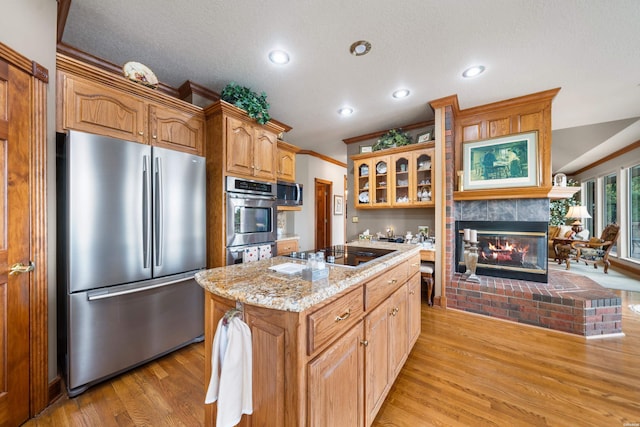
pixel 568 302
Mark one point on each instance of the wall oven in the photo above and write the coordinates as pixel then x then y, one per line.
pixel 250 217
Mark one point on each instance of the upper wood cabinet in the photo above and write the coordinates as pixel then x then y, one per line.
pixel 398 178
pixel 286 162
pixel 95 101
pixel 179 130
pixel 245 148
pixel 251 150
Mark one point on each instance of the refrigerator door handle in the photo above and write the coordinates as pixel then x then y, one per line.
pixel 158 207
pixel 93 296
pixel 146 253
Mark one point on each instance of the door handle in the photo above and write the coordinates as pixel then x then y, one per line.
pixel 20 268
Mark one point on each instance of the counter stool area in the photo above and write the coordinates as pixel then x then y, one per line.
pixel 568 302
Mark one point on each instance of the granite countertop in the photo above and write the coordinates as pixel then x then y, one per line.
pixel 254 283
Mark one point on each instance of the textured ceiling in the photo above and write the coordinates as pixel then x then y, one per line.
pixel 589 48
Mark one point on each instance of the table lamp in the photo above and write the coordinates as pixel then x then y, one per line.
pixel 577 213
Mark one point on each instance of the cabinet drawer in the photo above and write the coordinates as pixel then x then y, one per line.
pixel 413 265
pixel 378 289
pixel 334 319
pixel 287 246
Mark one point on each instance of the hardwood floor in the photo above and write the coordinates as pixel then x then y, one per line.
pixel 464 370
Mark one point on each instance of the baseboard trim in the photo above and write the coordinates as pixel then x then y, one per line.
pixel 55 389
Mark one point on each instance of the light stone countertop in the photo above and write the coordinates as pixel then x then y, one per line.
pixel 253 283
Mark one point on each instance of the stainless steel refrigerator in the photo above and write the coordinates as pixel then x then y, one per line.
pixel 131 235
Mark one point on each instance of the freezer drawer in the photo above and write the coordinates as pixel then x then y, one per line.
pixel 112 330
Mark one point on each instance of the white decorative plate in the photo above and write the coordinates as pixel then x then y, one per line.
pixel 140 73
pixel 364 197
pixel 381 168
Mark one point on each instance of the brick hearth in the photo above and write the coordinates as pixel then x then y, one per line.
pixel 568 302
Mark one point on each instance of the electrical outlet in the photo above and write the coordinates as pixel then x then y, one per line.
pixel 354 219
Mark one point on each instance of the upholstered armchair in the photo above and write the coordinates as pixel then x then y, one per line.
pixel 597 249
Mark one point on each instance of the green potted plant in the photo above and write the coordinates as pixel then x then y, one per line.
pixel 393 138
pixel 243 97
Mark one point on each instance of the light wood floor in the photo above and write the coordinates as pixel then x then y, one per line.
pixel 465 370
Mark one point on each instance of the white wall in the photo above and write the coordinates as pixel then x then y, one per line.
pixel 29 28
pixel 308 168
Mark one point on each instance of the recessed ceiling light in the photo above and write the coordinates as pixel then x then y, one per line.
pixel 401 93
pixel 345 111
pixel 474 71
pixel 279 57
pixel 359 48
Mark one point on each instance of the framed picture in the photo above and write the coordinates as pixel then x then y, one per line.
pixel 366 148
pixel 508 161
pixel 424 137
pixel 337 205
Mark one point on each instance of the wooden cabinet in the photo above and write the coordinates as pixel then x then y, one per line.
pixel 285 247
pixel 251 150
pixel 96 104
pixel 412 178
pixel 177 130
pixel 373 185
pixel 414 307
pixel 398 177
pixel 333 364
pixel 386 333
pixel 286 160
pixel 336 386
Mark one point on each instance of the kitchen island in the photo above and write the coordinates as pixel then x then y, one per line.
pixel 324 352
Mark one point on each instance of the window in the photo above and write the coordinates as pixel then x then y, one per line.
pixel 633 222
pixel 589 200
pixel 611 203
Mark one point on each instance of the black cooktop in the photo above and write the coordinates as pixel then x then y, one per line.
pixel 348 256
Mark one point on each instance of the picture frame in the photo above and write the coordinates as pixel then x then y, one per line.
pixel 507 161
pixel 366 149
pixel 423 137
pixel 338 205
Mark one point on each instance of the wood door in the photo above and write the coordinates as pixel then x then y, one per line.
pixel 93 108
pixel 376 360
pixel 265 152
pixel 14 244
pixel 239 138
pixel 398 332
pixel 176 130
pixel 414 307
pixel 323 191
pixel 286 165
pixel 335 391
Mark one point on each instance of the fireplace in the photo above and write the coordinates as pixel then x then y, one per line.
pixel 511 249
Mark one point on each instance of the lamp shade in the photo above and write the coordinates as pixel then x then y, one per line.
pixel 577 212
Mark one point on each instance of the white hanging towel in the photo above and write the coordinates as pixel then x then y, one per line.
pixel 250 254
pixel 265 251
pixel 231 372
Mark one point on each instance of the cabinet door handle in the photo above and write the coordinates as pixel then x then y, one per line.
pixel 412 292
pixel 344 316
pixel 155 137
pixel 364 343
pixel 140 133
pixel 395 311
pixel 392 282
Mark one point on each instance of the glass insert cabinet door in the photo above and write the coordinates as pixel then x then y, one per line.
pixel 363 182
pixel 403 194
pixel 422 185
pixel 382 184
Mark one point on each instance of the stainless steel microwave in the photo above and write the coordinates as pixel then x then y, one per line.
pixel 289 194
